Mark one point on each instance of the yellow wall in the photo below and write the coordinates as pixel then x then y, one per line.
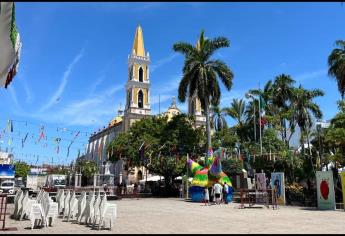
pixel 136 72
pixel 145 96
pixel 135 95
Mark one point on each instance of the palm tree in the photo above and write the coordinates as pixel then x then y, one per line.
pixel 282 89
pixel 201 74
pixel 237 110
pixel 336 63
pixel 304 108
pixel 219 118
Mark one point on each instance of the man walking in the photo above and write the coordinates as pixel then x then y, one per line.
pixel 217 192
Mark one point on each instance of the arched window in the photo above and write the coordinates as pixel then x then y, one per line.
pixel 131 73
pixel 140 99
pixel 139 175
pixel 141 74
pixel 129 99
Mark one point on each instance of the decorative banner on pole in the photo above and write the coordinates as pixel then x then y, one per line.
pixel 278 183
pixel 325 190
pixel 10 126
pixel 23 140
pixel 57 140
pixel 41 134
pixel 342 177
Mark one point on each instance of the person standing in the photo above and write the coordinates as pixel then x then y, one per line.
pixel 225 192
pixel 181 187
pixel 217 192
pixel 206 197
pixel 211 190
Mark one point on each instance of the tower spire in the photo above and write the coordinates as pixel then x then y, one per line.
pixel 138 45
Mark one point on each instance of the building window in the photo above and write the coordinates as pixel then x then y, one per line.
pixel 129 99
pixel 131 73
pixel 141 74
pixel 140 99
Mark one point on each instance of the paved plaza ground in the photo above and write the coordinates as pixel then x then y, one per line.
pixel 172 215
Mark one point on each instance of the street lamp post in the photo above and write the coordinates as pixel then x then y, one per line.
pixel 249 95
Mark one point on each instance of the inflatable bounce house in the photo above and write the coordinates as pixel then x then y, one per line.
pixel 208 175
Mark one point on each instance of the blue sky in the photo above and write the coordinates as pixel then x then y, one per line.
pixel 73 66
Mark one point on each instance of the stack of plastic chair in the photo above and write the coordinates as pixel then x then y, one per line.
pixel 60 201
pixel 52 213
pixel 66 204
pixel 24 206
pixel 17 203
pixel 96 208
pixel 36 213
pixel 89 209
pixel 102 208
pixel 81 206
pixel 73 207
pixel 109 214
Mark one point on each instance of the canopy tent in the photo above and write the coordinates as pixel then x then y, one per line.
pixel 10 45
pixel 152 178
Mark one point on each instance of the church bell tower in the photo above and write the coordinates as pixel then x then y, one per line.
pixel 138 83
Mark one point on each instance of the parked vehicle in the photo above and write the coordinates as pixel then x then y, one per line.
pixel 7 186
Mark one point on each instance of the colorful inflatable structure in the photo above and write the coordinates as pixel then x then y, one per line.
pixel 208 175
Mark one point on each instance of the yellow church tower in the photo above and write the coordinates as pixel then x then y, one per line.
pixel 138 83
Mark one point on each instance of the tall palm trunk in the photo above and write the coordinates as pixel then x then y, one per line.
pixel 208 128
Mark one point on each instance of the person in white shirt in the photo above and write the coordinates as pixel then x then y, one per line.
pixel 217 192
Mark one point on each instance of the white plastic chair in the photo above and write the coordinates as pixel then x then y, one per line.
pixel 73 206
pixel 81 206
pixel 60 201
pixel 89 210
pixel 66 204
pixel 102 208
pixel 36 213
pixel 17 203
pixel 109 215
pixel 52 213
pixel 96 208
pixel 24 206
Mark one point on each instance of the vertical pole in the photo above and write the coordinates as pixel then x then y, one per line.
pixel 260 120
pixel 254 121
pixel 159 103
pixel 187 195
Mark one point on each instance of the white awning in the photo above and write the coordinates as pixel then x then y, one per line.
pixel 152 178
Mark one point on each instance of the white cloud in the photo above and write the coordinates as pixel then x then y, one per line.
pixel 311 75
pixel 163 61
pixel 93 110
pixel 63 83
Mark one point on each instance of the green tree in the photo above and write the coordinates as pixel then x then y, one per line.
pixel 201 74
pixel 335 135
pixel 219 118
pixel 87 167
pixel 166 145
pixel 304 108
pixel 22 169
pixel 237 111
pixel 336 63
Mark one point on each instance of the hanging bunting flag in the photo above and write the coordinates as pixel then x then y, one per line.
pixel 10 141
pixel 10 126
pixel 41 134
pixel 57 140
pixel 23 140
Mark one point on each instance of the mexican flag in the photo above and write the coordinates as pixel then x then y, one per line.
pixel 10 45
